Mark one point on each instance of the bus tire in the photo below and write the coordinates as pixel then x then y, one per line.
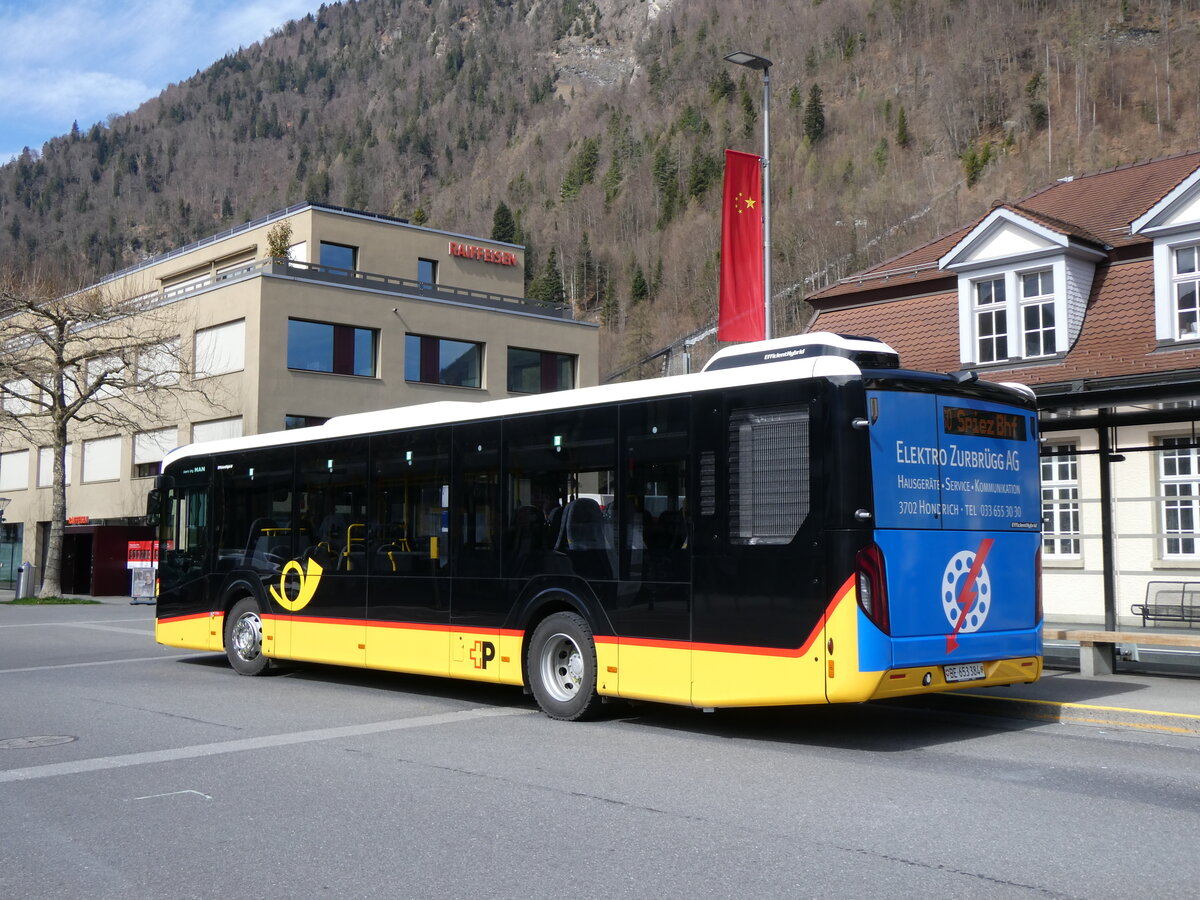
pixel 562 667
pixel 243 638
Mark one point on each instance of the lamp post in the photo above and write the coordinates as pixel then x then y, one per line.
pixel 754 61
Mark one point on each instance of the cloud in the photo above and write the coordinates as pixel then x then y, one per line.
pixel 83 60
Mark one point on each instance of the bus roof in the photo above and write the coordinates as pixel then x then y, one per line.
pixel 444 412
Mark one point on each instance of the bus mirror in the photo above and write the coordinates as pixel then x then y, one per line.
pixel 154 507
pixel 163 483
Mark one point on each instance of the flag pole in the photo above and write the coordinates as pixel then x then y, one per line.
pixel 766 178
pixel 754 61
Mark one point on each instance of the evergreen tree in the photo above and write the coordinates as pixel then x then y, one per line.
pixel 639 289
pixel 814 115
pixel 548 286
pixel 903 138
pixel 504 226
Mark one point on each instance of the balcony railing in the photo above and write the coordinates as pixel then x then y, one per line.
pixel 389 284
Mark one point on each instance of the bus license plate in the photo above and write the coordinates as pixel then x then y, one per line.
pixel 964 672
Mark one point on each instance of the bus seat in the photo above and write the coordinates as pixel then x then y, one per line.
pixel 584 525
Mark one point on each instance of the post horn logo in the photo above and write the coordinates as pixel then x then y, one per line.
pixel 300 585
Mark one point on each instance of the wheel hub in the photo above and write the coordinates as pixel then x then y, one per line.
pixel 247 636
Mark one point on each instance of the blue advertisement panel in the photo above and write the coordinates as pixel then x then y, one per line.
pixel 957 508
pixel 953 463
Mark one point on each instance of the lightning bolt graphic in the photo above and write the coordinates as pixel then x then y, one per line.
pixel 968 595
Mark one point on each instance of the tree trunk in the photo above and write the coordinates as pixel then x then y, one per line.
pixel 52 577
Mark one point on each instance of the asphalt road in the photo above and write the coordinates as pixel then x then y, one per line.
pixel 129 770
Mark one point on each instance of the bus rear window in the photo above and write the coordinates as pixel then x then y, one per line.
pixel 769 495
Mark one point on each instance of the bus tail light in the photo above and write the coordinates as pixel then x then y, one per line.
pixel 1037 588
pixel 872 586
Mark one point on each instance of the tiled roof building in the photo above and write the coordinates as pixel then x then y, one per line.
pixel 1089 291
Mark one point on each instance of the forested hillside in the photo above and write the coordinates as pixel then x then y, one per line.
pixel 600 125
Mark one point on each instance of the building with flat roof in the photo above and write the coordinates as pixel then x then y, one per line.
pixel 366 312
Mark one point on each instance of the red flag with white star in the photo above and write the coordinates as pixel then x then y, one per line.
pixel 742 303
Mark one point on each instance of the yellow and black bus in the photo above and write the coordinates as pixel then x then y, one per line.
pixel 802 522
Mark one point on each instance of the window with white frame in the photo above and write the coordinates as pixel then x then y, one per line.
pixel 102 459
pixel 1060 501
pixel 1037 312
pixel 1179 487
pixel 991 320
pixel 46 465
pixel 1185 288
pixel 221 349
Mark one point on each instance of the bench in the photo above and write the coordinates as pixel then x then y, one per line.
pixel 1170 601
pixel 1096 647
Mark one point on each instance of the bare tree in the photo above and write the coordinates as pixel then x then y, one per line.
pixel 74 359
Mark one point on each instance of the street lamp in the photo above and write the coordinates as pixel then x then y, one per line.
pixel 4 501
pixel 754 61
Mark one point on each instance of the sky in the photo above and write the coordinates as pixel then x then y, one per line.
pixel 64 61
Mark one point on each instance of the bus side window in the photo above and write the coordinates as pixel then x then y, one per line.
pixel 255 510
pixel 476 500
pixel 411 487
pixel 561 478
pixel 653 506
pixel 331 515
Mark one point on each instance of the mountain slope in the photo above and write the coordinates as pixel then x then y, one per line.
pixel 601 124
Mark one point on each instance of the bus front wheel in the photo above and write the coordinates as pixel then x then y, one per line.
pixel 243 638
pixel 562 667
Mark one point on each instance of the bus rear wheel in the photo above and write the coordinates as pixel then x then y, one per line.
pixel 243 638
pixel 562 667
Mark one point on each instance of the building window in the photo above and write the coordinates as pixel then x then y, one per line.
pixel 46 465
pixel 432 360
pixel 292 421
pixel 217 430
pixel 338 256
pixel 539 372
pixel 221 349
pixel 1179 483
pixel 991 320
pixel 1037 312
pixel 338 349
pixel 1186 290
pixel 17 398
pixel 427 272
pixel 158 365
pixel 102 459
pixel 14 470
pixel 1060 501
pixel 149 448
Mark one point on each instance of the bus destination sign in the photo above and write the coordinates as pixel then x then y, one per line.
pixel 983 423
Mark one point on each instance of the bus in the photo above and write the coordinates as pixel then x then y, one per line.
pixel 801 522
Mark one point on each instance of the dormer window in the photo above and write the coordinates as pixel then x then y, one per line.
pixel 1186 282
pixel 1037 312
pixel 991 320
pixel 1023 286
